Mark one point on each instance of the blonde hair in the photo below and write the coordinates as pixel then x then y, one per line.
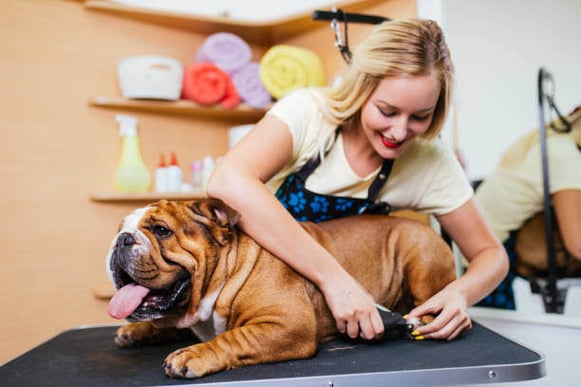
pixel 397 48
pixel 520 148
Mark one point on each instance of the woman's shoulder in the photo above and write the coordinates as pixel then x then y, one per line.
pixel 564 141
pixel 304 95
pixel 428 158
pixel 560 148
pixel 421 150
pixel 298 103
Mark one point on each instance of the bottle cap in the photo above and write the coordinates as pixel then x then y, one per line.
pixel 161 163
pixel 127 125
pixel 174 159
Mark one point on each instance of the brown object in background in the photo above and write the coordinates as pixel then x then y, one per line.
pixel 531 251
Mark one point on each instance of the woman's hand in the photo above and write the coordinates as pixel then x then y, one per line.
pixel 488 266
pixel 353 309
pixel 451 310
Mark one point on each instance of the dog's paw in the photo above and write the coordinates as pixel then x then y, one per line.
pixel 135 334
pixel 425 320
pixel 183 363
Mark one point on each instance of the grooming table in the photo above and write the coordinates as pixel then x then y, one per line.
pixel 88 357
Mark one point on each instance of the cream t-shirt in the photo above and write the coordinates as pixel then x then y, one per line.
pixel 510 196
pixel 426 178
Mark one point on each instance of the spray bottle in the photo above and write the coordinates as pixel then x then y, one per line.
pixel 161 175
pixel 174 175
pixel 207 168
pixel 132 176
pixel 196 176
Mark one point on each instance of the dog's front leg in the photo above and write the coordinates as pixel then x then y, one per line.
pixel 246 345
pixel 144 333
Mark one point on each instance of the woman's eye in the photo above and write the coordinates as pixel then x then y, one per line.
pixel 421 118
pixel 386 114
pixel 162 232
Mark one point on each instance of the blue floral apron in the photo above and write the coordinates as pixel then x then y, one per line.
pixel 305 205
pixel 503 296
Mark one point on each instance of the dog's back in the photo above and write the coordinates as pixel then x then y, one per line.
pixel 400 262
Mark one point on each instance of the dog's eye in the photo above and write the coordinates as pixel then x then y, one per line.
pixel 162 232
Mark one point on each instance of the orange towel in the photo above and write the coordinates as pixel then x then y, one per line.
pixel 206 84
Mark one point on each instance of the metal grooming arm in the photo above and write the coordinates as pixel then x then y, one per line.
pixel 553 298
pixel 336 16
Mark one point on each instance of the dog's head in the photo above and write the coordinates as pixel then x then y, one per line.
pixel 161 259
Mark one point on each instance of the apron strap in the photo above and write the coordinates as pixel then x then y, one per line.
pixel 380 180
pixel 314 161
pixel 306 170
pixel 371 205
pixel 375 187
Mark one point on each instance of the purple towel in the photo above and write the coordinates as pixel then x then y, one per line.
pixel 225 50
pixel 250 87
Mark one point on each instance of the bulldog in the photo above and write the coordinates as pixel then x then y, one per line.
pixel 185 266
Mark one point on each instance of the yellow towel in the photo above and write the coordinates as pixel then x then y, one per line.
pixel 284 68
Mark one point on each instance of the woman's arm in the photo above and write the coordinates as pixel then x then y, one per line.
pixel 488 266
pixel 239 181
pixel 567 204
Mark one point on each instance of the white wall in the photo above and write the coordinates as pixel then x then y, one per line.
pixel 497 47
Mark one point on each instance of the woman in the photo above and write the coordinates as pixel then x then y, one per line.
pixel 365 145
pixel 513 193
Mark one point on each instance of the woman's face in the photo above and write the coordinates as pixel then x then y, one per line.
pixel 398 111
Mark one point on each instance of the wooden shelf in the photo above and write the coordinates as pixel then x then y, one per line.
pixel 253 31
pixel 115 197
pixel 242 112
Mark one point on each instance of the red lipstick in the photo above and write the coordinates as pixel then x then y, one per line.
pixel 389 144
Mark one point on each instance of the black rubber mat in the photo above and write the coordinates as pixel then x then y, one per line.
pixel 88 357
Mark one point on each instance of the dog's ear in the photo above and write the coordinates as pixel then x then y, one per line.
pixel 219 214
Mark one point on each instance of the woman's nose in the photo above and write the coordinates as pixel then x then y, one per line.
pixel 399 128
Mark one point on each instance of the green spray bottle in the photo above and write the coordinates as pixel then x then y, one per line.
pixel 132 175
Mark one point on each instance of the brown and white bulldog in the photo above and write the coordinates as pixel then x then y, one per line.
pixel 186 265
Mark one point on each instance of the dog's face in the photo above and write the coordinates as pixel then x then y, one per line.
pixel 161 256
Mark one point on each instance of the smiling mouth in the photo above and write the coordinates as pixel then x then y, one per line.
pixel 139 303
pixel 390 144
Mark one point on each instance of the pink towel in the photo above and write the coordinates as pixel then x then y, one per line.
pixel 225 50
pixel 206 84
pixel 250 87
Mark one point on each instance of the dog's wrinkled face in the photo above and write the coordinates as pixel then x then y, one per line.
pixel 160 257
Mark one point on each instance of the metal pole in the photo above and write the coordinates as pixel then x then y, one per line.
pixel 551 295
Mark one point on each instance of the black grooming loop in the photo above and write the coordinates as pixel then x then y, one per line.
pixel 553 298
pixel 337 16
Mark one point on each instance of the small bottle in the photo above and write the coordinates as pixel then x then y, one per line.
pixel 132 175
pixel 196 176
pixel 207 168
pixel 174 175
pixel 161 175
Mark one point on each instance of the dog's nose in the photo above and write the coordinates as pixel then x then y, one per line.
pixel 125 239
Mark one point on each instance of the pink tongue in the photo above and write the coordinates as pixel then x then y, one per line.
pixel 126 300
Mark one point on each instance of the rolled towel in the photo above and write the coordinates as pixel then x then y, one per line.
pixel 232 98
pixel 206 84
pixel 225 50
pixel 284 68
pixel 250 87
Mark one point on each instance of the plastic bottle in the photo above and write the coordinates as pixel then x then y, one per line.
pixel 161 175
pixel 207 168
pixel 174 175
pixel 132 175
pixel 196 176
